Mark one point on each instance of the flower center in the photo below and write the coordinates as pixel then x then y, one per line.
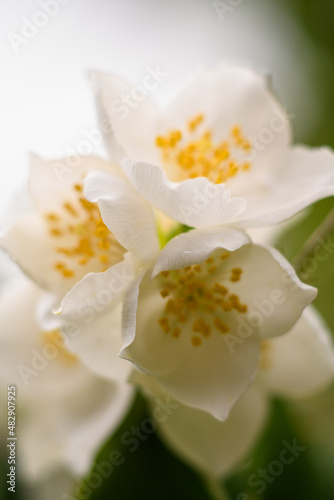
pixel 194 153
pixel 82 236
pixel 193 295
pixel 54 340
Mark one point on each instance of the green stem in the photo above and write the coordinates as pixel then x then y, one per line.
pixel 325 228
pixel 215 490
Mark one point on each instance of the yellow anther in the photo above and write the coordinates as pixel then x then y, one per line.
pixel 242 308
pixel 224 255
pixel 164 274
pixel 104 258
pixel 70 208
pixel 209 260
pixel 68 273
pixel 87 205
pixel 160 142
pixel 104 244
pixel 52 217
pixel 164 293
pixel 202 327
pixel 195 122
pixel 226 306
pixel 196 341
pixel 55 232
pixel 59 265
pixel 101 231
pixel 78 187
pixel 220 325
pixel 197 268
pixel 164 323
pixel 235 131
pixel 173 306
pixel 174 137
pixel 176 332
pixel 212 269
pixel 221 289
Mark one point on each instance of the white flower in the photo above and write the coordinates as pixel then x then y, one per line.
pixel 64 238
pixel 65 413
pixel 196 321
pixel 293 365
pixel 220 153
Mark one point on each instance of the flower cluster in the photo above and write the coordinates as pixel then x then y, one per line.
pixel 141 272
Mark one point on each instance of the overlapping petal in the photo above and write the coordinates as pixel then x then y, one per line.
pixel 302 361
pixel 193 202
pixel 90 318
pixel 127 215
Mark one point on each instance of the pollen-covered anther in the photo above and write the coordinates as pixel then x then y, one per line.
pixel 164 323
pixel 236 304
pixel 176 332
pixel 224 256
pixel 196 341
pixel 220 325
pixel 202 327
pixel 236 274
pixel 220 289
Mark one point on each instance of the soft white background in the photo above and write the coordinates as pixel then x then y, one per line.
pixel 45 98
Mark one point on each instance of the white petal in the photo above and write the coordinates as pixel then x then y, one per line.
pixel 69 432
pixel 90 317
pixel 49 180
pixel 194 202
pixel 207 444
pixel 196 246
pixel 65 412
pixel 29 244
pixel 30 358
pixel 270 288
pixel 302 177
pixel 98 342
pixel 302 361
pixel 211 373
pixel 127 215
pixel 129 128
pixel 103 413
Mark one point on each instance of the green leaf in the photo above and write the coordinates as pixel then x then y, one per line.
pixel 267 477
pixel 143 468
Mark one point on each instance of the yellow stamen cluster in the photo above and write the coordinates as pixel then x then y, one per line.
pixel 81 236
pixel 55 340
pixel 195 153
pixel 193 295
